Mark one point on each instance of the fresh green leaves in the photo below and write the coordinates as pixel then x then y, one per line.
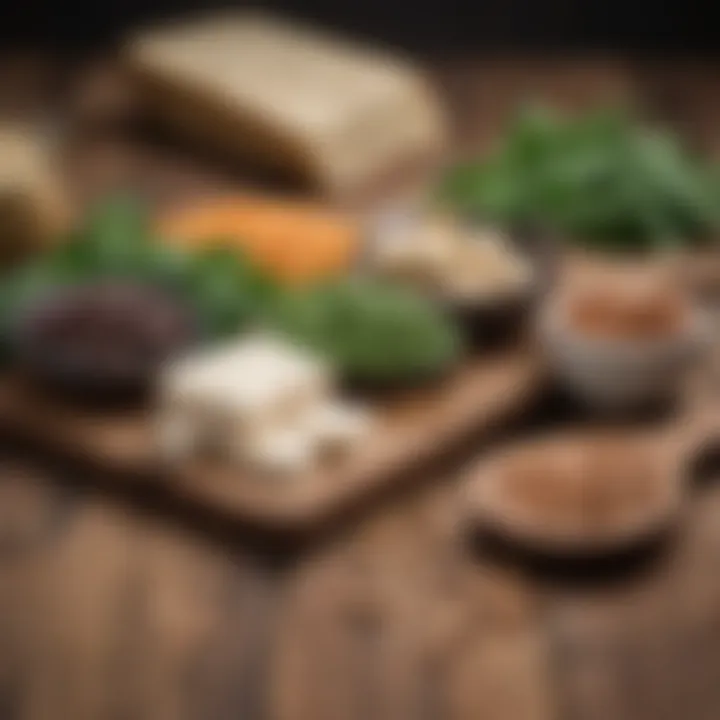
pixel 116 241
pixel 113 241
pixel 601 178
pixel 374 332
pixel 228 291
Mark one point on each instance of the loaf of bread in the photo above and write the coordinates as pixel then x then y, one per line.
pixel 32 204
pixel 293 98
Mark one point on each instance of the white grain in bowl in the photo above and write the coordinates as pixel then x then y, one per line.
pixel 454 262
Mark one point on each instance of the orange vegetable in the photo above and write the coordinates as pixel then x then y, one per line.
pixel 295 241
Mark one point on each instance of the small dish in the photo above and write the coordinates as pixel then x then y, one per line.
pixel 624 368
pixel 495 321
pixel 577 495
pixel 482 279
pixel 104 341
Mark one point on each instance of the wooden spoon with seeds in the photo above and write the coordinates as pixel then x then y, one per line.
pixel 585 493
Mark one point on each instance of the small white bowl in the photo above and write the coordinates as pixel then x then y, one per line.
pixel 620 375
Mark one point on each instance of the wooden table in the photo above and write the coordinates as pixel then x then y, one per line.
pixel 119 607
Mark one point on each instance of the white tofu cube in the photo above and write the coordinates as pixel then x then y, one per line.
pixel 235 395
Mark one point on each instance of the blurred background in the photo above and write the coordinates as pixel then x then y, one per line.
pixel 115 605
pixel 459 26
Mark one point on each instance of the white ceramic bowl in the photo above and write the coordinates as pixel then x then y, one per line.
pixel 620 375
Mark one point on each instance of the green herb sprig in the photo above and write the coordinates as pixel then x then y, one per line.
pixel 602 178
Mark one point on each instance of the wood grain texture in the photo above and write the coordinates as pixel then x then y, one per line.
pixel 130 616
pixel 119 612
pixel 121 618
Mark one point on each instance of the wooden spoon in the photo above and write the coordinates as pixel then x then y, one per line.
pixel 587 493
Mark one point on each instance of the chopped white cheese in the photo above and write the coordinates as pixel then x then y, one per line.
pixel 258 400
pixel 251 375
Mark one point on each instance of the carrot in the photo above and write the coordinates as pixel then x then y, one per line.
pixel 295 241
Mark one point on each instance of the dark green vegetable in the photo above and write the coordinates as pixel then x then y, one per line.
pixel 116 242
pixel 601 178
pixel 372 331
pixel 227 290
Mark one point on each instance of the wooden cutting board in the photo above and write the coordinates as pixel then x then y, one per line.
pixel 411 431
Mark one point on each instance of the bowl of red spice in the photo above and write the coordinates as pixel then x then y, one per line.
pixel 621 339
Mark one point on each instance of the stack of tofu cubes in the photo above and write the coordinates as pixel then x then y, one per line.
pixel 257 401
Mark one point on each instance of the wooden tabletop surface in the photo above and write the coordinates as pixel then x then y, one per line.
pixel 116 606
